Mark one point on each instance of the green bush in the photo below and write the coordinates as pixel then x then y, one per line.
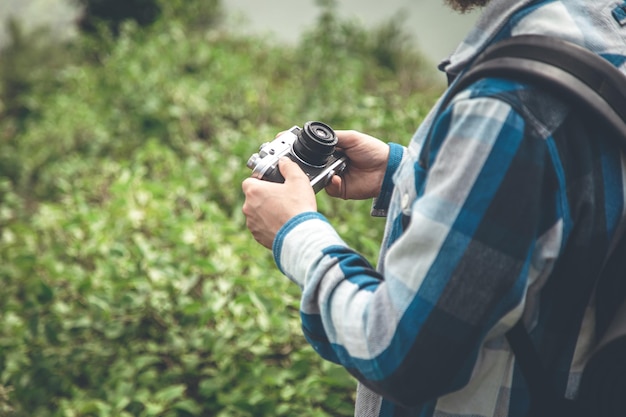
pixel 113 13
pixel 130 284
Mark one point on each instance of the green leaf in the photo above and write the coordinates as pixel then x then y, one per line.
pixel 188 405
pixel 168 394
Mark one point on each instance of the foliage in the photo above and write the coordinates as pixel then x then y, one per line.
pixel 110 15
pixel 130 285
pixel 25 67
pixel 113 13
pixel 388 45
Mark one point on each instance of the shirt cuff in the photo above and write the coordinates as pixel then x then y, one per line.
pixel 300 243
pixel 381 203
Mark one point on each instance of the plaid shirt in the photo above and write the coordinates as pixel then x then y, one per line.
pixel 502 203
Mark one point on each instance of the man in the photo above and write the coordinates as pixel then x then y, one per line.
pixel 503 206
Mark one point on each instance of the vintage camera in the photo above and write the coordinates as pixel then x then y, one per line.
pixel 312 147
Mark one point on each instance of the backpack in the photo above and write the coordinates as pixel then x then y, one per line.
pixel 590 81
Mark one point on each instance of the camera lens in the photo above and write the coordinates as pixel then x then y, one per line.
pixel 315 143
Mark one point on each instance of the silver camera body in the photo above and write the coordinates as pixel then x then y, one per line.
pixel 312 147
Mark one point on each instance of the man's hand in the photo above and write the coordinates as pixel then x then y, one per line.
pixel 269 205
pixel 363 177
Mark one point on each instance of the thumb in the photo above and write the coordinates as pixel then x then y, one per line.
pixel 290 170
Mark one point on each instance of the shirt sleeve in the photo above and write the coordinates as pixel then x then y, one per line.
pixel 459 266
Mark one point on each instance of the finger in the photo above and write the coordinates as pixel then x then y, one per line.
pixel 290 169
pixel 346 138
pixel 247 183
pixel 334 187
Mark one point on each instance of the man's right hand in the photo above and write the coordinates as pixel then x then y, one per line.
pixel 363 177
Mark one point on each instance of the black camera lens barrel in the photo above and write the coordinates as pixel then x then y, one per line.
pixel 315 143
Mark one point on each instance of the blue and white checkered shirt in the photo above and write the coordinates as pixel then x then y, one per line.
pixel 511 203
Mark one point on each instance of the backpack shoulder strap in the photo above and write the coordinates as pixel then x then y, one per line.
pixel 556 65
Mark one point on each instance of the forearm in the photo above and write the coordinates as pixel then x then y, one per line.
pixel 383 331
pixel 336 282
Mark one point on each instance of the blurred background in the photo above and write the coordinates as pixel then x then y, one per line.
pixel 130 284
pixel 436 28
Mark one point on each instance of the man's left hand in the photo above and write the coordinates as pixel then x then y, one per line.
pixel 269 205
